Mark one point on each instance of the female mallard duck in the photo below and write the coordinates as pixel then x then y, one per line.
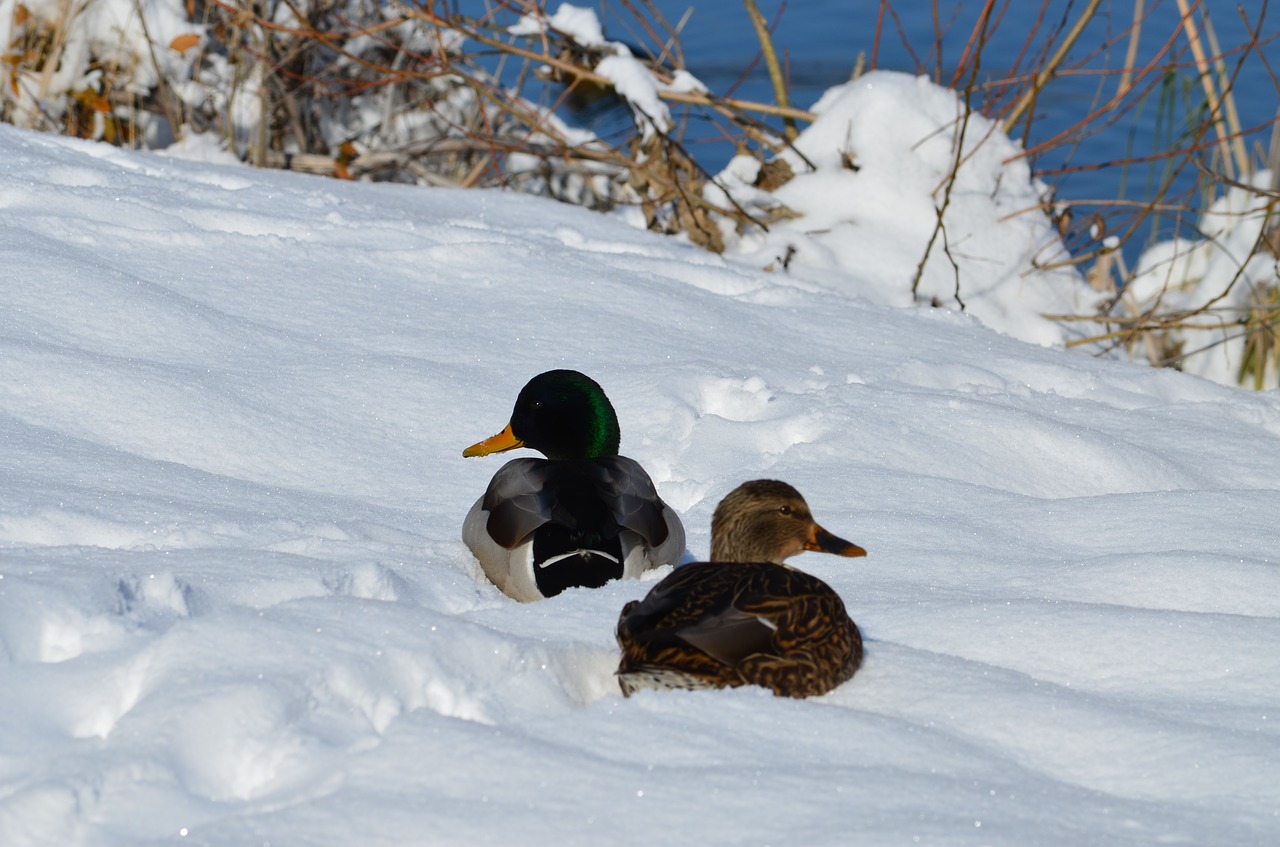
pixel 580 517
pixel 745 618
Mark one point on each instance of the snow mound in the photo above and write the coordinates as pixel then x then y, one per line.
pixel 235 608
pixel 872 173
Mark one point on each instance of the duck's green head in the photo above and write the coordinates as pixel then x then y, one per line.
pixel 563 415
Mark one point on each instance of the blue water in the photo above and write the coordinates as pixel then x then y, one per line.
pixel 821 40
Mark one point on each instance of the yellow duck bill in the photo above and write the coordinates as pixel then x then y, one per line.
pixel 499 443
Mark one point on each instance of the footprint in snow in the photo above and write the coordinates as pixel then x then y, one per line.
pixel 155 595
pixel 371 582
pixel 734 399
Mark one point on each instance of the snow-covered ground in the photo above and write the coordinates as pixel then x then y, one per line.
pixel 235 609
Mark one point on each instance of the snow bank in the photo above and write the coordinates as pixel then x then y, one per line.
pixel 1226 270
pixel 235 609
pixel 871 175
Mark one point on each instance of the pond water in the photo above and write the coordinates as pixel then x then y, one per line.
pixel 821 41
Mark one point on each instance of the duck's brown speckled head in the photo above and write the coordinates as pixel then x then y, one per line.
pixel 766 520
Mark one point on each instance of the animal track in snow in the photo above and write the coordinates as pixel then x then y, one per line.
pixel 734 399
pixel 46 626
pixel 235 741
pixel 746 413
pixel 371 582
pixel 586 673
pixel 356 687
pixel 160 593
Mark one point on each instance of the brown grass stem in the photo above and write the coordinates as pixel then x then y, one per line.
pixel 771 63
pixel 1131 54
pixel 1050 67
pixel 1206 78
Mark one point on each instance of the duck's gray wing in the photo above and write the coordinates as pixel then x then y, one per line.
pixel 523 495
pixel 517 501
pixel 636 505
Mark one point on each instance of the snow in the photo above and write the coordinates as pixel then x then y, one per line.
pixel 104 31
pixel 636 84
pixel 578 23
pixel 864 224
pixel 872 212
pixel 632 80
pixel 683 82
pixel 1226 269
pixel 235 608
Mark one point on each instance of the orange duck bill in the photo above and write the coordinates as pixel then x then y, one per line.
pixel 499 443
pixel 824 542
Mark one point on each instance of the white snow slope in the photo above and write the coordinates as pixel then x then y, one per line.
pixel 235 609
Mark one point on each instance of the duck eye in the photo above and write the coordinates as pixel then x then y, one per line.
pixel 784 510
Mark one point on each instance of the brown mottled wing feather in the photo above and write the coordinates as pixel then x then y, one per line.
pixel 697 622
pixel 649 629
pixel 816 647
pixel 730 636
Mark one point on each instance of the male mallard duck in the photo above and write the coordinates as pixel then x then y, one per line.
pixel 745 618
pixel 580 517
